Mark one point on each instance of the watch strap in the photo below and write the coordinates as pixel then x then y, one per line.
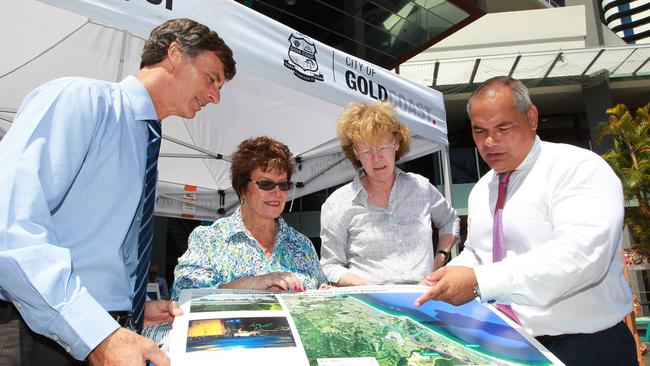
pixel 445 253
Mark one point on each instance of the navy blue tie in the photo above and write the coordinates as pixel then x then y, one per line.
pixel 145 236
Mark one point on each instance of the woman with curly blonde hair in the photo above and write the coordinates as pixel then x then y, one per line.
pixel 377 229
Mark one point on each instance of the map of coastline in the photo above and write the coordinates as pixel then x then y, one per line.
pixel 362 326
pixel 387 327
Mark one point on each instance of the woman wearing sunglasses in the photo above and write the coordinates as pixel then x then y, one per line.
pixel 253 248
pixel 377 229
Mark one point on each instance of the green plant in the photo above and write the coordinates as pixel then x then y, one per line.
pixel 630 159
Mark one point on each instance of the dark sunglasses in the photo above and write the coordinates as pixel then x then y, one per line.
pixel 267 185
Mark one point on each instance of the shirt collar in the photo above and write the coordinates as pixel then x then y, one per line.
pixel 532 155
pixel 359 193
pixel 357 187
pixel 528 161
pixel 141 103
pixel 236 225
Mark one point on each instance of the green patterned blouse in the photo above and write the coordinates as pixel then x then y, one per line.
pixel 225 251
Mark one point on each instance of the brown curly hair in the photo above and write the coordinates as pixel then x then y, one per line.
pixel 261 152
pixel 362 122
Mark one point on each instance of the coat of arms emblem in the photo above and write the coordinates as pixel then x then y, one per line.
pixel 302 58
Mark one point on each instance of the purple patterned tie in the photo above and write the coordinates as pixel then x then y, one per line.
pixel 498 247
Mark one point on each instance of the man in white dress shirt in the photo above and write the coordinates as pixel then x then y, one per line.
pixel 562 220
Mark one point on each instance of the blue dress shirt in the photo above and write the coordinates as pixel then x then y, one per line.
pixel 70 188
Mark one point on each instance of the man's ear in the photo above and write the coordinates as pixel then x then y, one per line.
pixel 174 53
pixel 533 117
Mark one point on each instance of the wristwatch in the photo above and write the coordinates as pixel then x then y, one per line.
pixel 445 253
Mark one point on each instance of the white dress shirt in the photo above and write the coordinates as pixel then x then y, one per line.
pixel 562 224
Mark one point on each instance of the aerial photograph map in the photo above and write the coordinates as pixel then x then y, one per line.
pixel 388 328
pixel 364 326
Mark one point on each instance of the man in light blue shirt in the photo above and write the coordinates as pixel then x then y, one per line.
pixel 71 187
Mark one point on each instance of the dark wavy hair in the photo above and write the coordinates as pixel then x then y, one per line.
pixel 193 37
pixel 261 152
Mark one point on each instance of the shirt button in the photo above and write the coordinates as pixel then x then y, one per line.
pixel 55 337
pixel 18 305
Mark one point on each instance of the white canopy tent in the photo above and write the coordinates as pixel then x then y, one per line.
pixel 287 86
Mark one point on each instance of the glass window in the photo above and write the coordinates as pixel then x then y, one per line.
pixel 463 165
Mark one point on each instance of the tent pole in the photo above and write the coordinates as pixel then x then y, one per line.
pixel 193 147
pixel 120 67
pixel 446 182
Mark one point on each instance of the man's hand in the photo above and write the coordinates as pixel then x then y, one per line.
pixel 452 284
pixel 160 311
pixel 125 348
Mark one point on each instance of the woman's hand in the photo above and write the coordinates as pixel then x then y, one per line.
pixel 439 261
pixel 274 281
pixel 281 281
pixel 348 279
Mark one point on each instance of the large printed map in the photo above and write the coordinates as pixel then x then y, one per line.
pixel 356 327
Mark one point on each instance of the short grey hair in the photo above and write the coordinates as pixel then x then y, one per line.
pixel 518 89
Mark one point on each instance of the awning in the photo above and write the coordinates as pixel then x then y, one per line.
pixel 619 61
pixel 271 95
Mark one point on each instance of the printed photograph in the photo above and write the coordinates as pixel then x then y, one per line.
pixel 208 303
pixel 389 328
pixel 236 333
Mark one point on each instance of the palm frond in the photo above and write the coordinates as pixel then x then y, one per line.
pixel 630 160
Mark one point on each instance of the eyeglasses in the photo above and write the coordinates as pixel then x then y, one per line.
pixel 381 150
pixel 267 185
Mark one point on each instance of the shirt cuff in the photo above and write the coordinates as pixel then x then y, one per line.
pixel 494 283
pixel 81 326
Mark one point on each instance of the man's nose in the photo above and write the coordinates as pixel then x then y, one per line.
pixel 214 94
pixel 490 141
